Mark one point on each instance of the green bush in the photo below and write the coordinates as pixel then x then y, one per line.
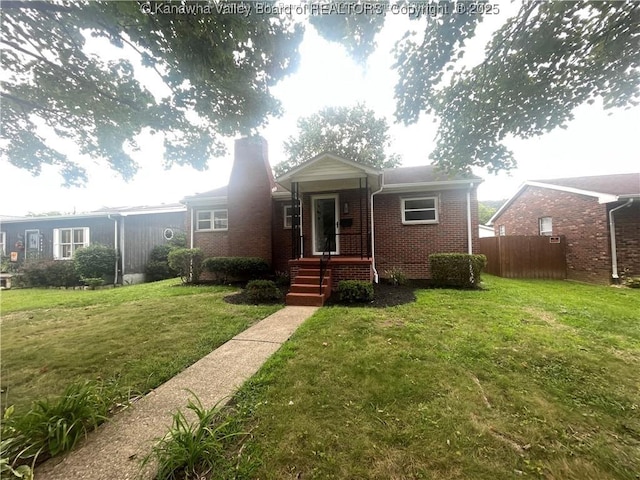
pixel 49 273
pixel 355 291
pixel 95 261
pixel 157 268
pixel 396 276
pixel 187 262
pixel 241 268
pixel 456 269
pixel 263 291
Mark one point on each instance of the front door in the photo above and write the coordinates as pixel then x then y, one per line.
pixel 326 224
pixel 32 244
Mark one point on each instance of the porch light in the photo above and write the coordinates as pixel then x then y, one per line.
pixel 345 209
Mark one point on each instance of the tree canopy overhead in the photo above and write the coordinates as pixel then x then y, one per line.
pixel 218 68
pixel 353 133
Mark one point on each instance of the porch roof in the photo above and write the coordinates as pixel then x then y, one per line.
pixel 330 172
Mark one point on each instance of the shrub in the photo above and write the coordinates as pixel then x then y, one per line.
pixel 261 291
pixel 355 291
pixel 157 268
pixel 456 269
pixel 242 268
pixel 95 261
pixel 49 273
pixel 187 262
pixel 396 276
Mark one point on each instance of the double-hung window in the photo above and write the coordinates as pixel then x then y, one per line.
pixel 207 220
pixel 66 241
pixel 420 210
pixel 3 243
pixel 545 226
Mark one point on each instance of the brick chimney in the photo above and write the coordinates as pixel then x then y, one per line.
pixel 249 200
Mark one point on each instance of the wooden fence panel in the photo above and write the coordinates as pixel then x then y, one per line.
pixel 525 256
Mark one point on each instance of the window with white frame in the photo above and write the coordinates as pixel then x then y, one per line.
pixel 545 226
pixel 288 217
pixel 3 243
pixel 66 241
pixel 212 220
pixel 420 210
pixel 502 231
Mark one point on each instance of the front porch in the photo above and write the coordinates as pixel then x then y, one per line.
pixel 313 279
pixel 329 214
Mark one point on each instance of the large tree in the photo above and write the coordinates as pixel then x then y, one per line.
pixel 354 133
pixel 216 66
pixel 548 59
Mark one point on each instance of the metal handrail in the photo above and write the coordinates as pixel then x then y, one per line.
pixel 325 258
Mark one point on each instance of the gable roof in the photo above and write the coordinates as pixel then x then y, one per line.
pixel 216 195
pixel 102 212
pixel 605 188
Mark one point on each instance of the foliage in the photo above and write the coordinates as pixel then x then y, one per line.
pixel 396 276
pixel 282 279
pixel 157 268
pixel 355 291
pixel 456 269
pixel 225 268
pixel 211 72
pixel 354 133
pixel 95 261
pixel 263 291
pixel 52 427
pixel 193 450
pixel 92 283
pixel 485 212
pixel 11 444
pixel 544 62
pixel 187 262
pixel 49 273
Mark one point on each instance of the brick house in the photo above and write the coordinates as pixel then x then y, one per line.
pixel 331 219
pixel 599 216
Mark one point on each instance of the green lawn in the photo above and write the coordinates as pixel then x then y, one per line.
pixel 136 336
pixel 535 379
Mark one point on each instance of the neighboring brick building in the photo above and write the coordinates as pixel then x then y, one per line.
pixel 581 209
pixel 370 221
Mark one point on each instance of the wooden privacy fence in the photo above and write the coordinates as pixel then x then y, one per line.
pixel 525 256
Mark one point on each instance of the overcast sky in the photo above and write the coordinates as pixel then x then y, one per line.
pixel 597 142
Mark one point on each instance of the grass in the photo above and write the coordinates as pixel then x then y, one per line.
pixel 136 337
pixel 525 378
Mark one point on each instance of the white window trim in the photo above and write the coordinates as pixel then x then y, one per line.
pixel 502 230
pixel 285 216
pixel 436 205
pixel 57 253
pixel 3 243
pixel 546 233
pixel 212 220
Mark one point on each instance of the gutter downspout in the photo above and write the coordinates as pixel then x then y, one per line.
pixel 191 230
pixel 376 278
pixel 115 246
pixel 122 245
pixel 469 233
pixel 612 233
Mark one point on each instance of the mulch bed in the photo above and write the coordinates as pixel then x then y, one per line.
pixel 385 295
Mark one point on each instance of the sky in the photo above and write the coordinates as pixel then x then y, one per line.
pixel 596 142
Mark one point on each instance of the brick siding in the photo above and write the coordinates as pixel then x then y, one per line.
pixel 580 218
pixel 407 247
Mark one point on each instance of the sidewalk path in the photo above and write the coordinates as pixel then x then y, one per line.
pixel 115 450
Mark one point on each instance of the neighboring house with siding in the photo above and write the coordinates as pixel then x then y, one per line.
pixel 583 209
pixel 368 221
pixel 132 231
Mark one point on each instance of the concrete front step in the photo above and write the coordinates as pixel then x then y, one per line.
pixel 311 280
pixel 305 299
pixel 312 272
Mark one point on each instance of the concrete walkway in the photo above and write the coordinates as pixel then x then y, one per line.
pixel 115 450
